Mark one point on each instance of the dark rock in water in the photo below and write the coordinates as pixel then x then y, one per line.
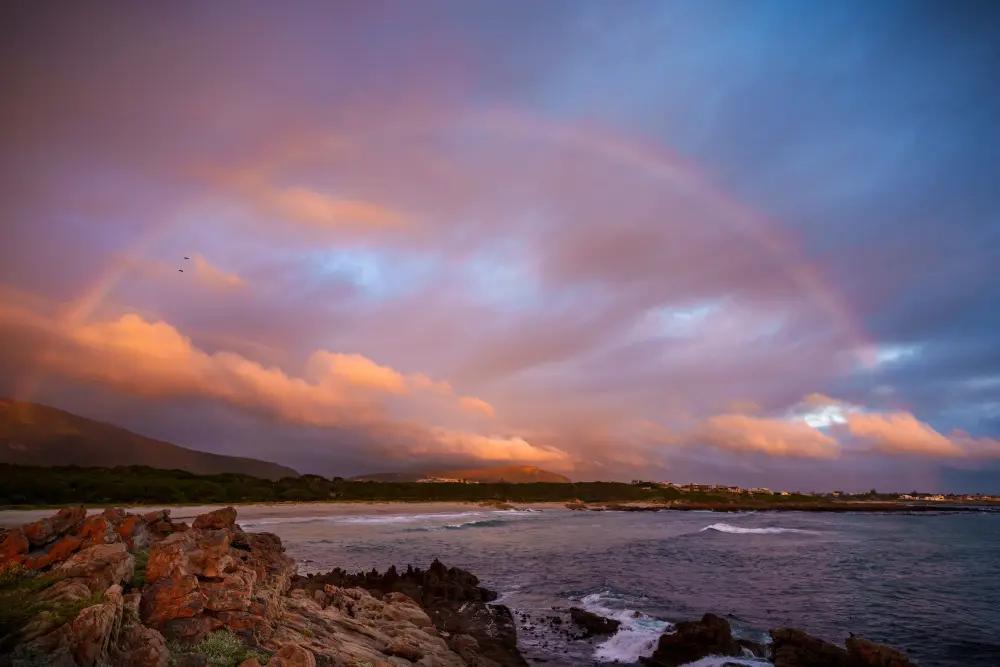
pixel 694 640
pixel 594 624
pixel 864 653
pixel 794 648
pixel 451 597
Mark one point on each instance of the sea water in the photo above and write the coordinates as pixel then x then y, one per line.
pixel 927 583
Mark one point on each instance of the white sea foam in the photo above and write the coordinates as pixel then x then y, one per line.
pixel 774 530
pixel 636 637
pixel 718 661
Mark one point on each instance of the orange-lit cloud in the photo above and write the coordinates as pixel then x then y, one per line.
pixel 477 405
pixel 492 448
pixel 211 275
pixel 153 358
pixel 312 207
pixel 772 437
pixel 900 433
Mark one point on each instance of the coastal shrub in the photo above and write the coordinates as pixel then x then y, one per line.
pixel 139 573
pixel 221 648
pixel 19 603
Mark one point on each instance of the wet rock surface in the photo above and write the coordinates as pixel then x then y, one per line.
pixel 593 624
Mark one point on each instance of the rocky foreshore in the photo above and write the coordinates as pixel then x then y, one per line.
pixel 119 590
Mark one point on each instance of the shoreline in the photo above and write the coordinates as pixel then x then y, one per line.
pixel 15 515
pixel 123 589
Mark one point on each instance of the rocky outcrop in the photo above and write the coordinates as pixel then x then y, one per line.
pixel 593 624
pixel 862 652
pixel 693 640
pixel 453 600
pixel 89 606
pixel 794 648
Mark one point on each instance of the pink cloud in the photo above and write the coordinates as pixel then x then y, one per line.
pixel 772 437
pixel 900 433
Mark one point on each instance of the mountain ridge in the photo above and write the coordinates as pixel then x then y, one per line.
pixel 37 434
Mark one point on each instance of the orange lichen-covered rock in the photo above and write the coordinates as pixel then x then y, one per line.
pixel 216 520
pixel 46 530
pixel 13 546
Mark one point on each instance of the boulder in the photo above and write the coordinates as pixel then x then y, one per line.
pixel 99 566
pixel 794 648
pixel 170 597
pixel 217 520
pixel 13 546
pixel 693 640
pixel 862 652
pixel 203 553
pixel 43 531
pixel 593 624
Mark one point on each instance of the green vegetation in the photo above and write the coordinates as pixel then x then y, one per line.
pixel 19 602
pixel 32 485
pixel 222 649
pixel 139 573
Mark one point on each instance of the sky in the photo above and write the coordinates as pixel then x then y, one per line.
pixel 727 242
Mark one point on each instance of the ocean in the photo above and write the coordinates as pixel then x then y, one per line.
pixel 927 583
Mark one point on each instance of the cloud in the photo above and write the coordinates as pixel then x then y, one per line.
pixel 477 405
pixel 211 275
pixel 492 448
pixel 772 437
pixel 153 358
pixel 901 433
pixel 313 207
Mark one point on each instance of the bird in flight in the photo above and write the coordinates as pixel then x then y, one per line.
pixel 187 258
pixel 181 270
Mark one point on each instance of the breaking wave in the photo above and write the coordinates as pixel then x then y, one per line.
pixel 738 530
pixel 637 635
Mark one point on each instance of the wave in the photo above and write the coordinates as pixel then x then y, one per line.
pixel 483 523
pixel 739 530
pixel 721 661
pixel 636 637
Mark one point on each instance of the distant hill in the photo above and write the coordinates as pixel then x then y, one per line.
pixel 34 434
pixel 514 474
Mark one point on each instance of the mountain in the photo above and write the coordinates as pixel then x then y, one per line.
pixel 515 474
pixel 34 434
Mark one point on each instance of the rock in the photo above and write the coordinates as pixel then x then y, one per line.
pixel 451 598
pixel 865 653
pixel 132 530
pixel 43 531
pixel 291 655
pixel 693 640
pixel 167 598
pixel 406 649
pixel 56 552
pixel 216 520
pixel 199 552
pixel 594 624
pixel 794 648
pixel 138 644
pixel 99 566
pixel 13 546
pixel 84 641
